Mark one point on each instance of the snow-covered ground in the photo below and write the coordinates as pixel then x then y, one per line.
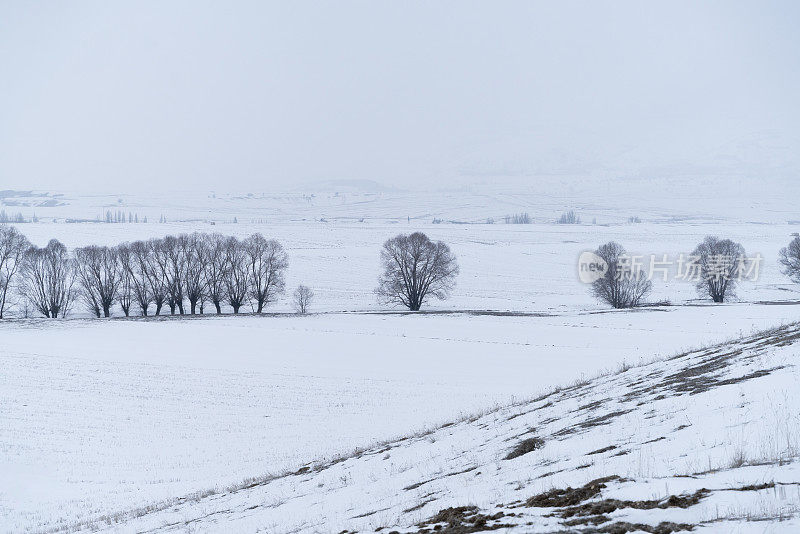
pixel 102 415
pixel 99 417
pixel 707 440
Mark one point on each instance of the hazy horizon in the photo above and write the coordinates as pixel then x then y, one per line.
pixel 253 96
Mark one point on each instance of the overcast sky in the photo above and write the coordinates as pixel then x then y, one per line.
pixel 240 95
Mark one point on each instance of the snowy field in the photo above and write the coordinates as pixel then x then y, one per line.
pixel 705 441
pixel 103 416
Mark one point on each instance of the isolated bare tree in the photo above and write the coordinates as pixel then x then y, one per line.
pixel 237 280
pixel 98 272
pixel 215 271
pixel 415 268
pixel 622 285
pixel 12 249
pixel 720 262
pixel 789 260
pixel 266 264
pixel 47 279
pixel 303 296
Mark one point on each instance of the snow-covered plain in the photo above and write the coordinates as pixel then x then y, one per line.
pixel 103 416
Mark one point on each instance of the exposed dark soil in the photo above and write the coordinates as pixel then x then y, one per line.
pixel 524 447
pixel 622 527
pixel 756 487
pixel 601 451
pixel 462 520
pixel 558 497
pixel 606 506
pixel 423 482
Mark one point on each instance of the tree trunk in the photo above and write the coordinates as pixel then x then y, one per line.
pixel 218 307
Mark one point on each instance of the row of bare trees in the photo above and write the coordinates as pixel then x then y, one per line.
pixel 185 273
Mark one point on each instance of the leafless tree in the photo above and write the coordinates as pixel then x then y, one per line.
pixel 98 272
pixel 569 217
pixel 622 285
pixel 171 263
pixel 237 281
pixel 127 282
pixel 789 260
pixel 159 272
pixel 215 271
pixel 414 268
pixel 720 262
pixel 47 279
pixel 266 263
pixel 139 264
pixel 195 258
pixel 303 296
pixel 12 249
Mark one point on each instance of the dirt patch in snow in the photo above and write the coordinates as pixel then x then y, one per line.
pixel 622 527
pixel 462 520
pixel 606 506
pixel 524 447
pixel 561 497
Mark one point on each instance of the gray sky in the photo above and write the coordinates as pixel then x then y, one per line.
pixel 255 95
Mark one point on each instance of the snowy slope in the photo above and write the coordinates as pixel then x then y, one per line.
pixel 708 438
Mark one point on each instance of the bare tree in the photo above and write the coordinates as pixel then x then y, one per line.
pixel 139 264
pixel 414 268
pixel 127 282
pixel 622 285
pixel 237 281
pixel 266 263
pixel 171 263
pixel 12 249
pixel 215 271
pixel 303 296
pixel 195 257
pixel 158 268
pixel 98 271
pixel 789 260
pixel 47 279
pixel 720 263
pixel 569 217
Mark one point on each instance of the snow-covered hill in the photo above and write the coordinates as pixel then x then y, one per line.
pixel 705 440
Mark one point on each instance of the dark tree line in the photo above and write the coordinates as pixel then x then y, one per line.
pixel 184 273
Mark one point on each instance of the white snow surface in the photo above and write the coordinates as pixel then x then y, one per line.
pixel 721 421
pixel 102 421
